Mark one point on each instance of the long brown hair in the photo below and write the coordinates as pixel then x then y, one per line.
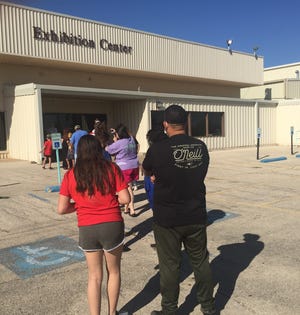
pixel 92 171
pixel 101 133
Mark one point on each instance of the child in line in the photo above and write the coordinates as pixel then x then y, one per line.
pixel 47 151
pixel 70 154
pixel 153 135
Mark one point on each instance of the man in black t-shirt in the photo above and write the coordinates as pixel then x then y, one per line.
pixel 179 165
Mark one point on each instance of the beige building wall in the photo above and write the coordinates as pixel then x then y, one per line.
pixel 267 123
pixel 242 118
pixel 37 34
pixel 137 117
pixel 56 63
pixel 284 89
pixel 284 82
pixel 281 72
pixel 288 115
pixel 24 121
pixel 258 92
pixel 16 74
pixel 292 89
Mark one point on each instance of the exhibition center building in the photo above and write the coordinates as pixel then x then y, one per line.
pixel 57 71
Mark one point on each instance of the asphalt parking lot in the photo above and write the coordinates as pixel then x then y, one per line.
pixel 253 239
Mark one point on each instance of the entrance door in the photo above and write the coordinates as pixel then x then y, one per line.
pixel 62 122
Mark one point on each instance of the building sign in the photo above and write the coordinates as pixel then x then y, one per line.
pixel 104 44
pixel 63 37
pixel 78 40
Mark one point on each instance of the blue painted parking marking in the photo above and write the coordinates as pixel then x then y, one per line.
pixel 38 197
pixel 279 158
pixel 28 260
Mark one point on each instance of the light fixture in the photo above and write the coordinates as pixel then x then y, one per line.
pixel 255 49
pixel 229 43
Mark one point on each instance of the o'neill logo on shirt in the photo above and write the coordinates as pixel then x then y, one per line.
pixel 187 155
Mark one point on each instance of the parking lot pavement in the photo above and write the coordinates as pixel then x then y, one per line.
pixel 253 238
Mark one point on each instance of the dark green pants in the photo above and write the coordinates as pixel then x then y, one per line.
pixel 169 243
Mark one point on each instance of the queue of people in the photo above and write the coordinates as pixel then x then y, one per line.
pixel 175 167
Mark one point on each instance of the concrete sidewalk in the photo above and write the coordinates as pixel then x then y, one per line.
pixel 253 238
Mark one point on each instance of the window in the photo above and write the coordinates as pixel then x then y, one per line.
pixel 215 124
pixel 197 124
pixel 59 122
pixel 200 124
pixel 2 132
pixel 206 124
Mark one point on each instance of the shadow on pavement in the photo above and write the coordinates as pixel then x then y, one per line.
pixel 140 197
pixel 214 215
pixel 139 231
pixel 233 260
pixel 227 266
pixel 151 289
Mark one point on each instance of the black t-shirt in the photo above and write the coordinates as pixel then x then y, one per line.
pixel 179 164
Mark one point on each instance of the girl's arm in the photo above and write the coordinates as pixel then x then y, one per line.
pixel 123 196
pixel 65 205
pixel 113 148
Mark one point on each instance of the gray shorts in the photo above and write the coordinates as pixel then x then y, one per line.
pixel 105 236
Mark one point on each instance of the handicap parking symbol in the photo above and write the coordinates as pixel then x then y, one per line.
pixel 35 258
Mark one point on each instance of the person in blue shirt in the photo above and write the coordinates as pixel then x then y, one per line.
pixel 76 137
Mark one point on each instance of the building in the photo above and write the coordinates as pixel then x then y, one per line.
pixel 57 71
pixel 282 85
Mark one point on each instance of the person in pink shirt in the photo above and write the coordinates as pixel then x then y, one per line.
pixel 93 189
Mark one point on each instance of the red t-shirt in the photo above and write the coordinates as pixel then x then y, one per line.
pixel 48 147
pixel 98 208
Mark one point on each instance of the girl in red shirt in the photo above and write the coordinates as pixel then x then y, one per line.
pixel 47 151
pixel 97 187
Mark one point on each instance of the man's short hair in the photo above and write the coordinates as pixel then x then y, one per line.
pixel 175 115
pixel 77 127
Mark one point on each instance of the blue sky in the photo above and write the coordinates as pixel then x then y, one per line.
pixel 273 26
